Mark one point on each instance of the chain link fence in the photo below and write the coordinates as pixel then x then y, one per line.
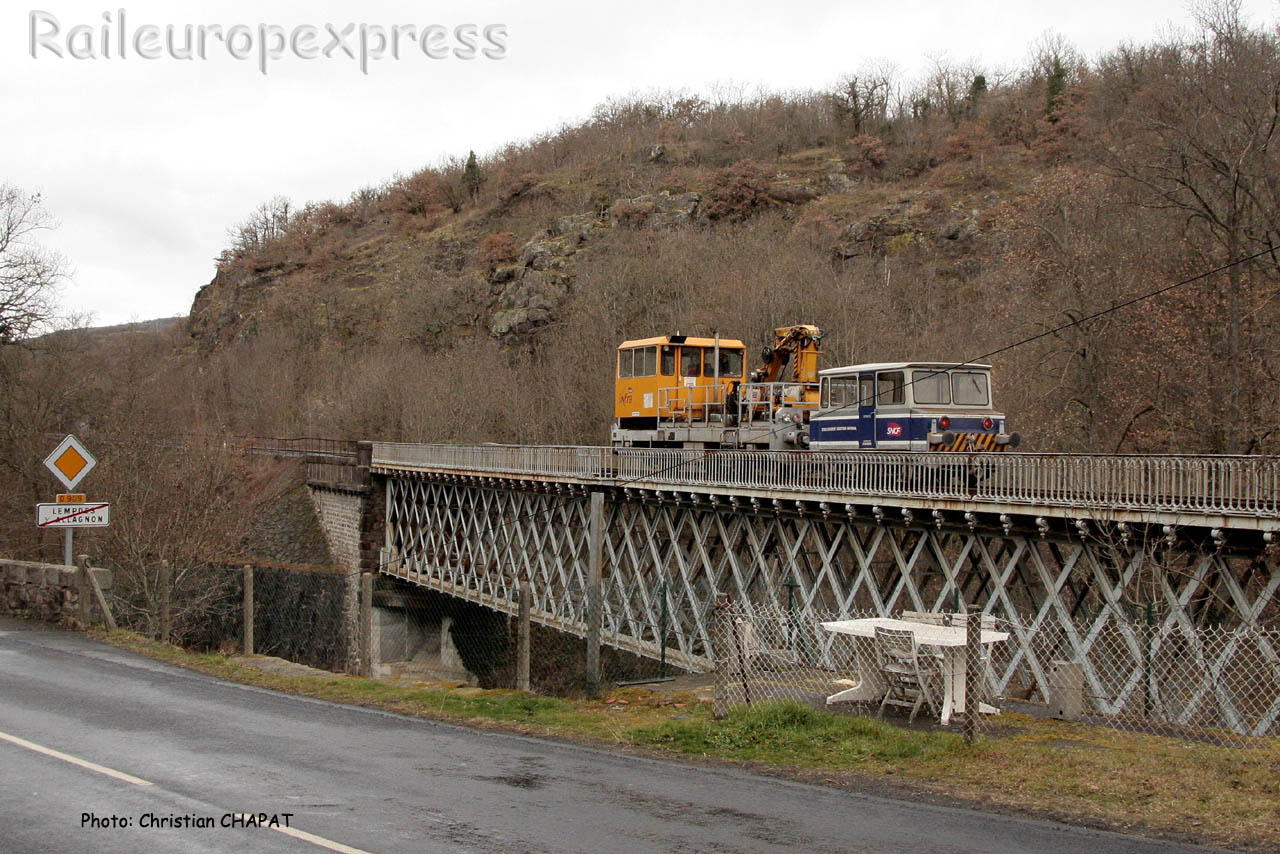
pixel 769 653
pixel 305 614
pixel 1157 675
pixel 384 627
pixel 1210 683
pixel 1213 683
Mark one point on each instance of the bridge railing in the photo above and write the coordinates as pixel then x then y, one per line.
pixel 1229 485
pixel 1236 485
pixel 301 446
pixel 1233 485
pixel 589 463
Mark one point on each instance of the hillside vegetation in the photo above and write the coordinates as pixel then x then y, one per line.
pixel 940 220
pixel 945 219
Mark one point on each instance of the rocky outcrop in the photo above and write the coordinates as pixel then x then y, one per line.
pixel 836 180
pixel 528 301
pixel 527 293
pixel 657 211
pixel 961 227
pixel 221 310
pixel 529 287
pixel 886 231
pixel 792 193
pixel 872 236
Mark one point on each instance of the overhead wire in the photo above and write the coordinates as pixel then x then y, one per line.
pixel 968 362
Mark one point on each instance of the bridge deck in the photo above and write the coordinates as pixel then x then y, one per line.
pixel 1241 493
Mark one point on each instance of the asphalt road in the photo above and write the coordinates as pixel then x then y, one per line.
pixel 379 782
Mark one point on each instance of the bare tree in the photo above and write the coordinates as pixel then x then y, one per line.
pixel 29 273
pixel 950 89
pixel 861 101
pixel 267 223
pixel 450 183
pixel 1055 65
pixel 1200 137
pixel 188 507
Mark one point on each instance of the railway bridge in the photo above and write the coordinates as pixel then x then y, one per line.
pixel 1068 543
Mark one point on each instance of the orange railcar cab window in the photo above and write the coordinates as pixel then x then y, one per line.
pixel 651 372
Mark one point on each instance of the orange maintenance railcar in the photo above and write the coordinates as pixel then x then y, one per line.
pixel 677 391
pixel 672 383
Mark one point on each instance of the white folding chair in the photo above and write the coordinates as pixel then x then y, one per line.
pixel 911 678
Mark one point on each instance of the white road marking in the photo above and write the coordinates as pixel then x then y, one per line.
pixel 138 781
pixel 66 757
pixel 316 840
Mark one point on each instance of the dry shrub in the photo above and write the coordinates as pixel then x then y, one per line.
pixel 418 194
pixel 933 201
pixel 869 152
pixel 817 229
pixel 631 214
pixel 682 179
pixel 915 161
pixel 969 141
pixel 738 191
pixel 497 249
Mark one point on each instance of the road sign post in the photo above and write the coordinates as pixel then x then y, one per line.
pixel 70 462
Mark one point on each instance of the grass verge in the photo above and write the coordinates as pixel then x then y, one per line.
pixel 1074 772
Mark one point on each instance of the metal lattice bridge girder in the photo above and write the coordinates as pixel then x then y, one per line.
pixel 1071 591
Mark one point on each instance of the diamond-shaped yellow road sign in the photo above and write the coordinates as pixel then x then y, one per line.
pixel 70 461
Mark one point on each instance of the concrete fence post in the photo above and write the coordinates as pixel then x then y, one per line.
pixel 166 602
pixel 247 617
pixel 366 625
pixel 595 544
pixel 88 579
pixel 522 637
pixel 721 627
pixel 86 594
pixel 972 672
pixel 1066 690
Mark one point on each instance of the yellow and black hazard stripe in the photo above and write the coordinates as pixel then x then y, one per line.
pixel 970 442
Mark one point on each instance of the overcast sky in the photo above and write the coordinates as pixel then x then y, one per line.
pixel 147 162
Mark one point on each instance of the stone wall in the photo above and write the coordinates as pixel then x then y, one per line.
pixel 44 591
pixel 351 518
pixel 341 513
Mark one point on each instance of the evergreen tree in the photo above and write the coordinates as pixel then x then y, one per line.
pixel 471 177
pixel 977 89
pixel 1057 85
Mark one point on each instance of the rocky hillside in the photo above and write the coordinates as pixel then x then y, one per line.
pixel 947 218
pixel 955 217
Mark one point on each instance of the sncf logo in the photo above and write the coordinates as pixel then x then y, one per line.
pixel 893 429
